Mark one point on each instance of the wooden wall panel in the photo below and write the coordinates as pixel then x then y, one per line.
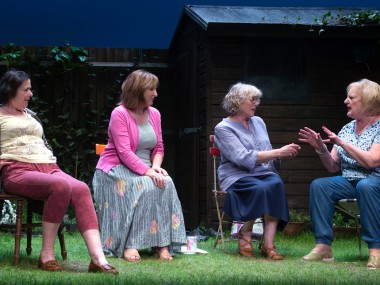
pixel 330 68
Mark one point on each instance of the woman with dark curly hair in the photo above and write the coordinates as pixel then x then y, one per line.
pixel 29 169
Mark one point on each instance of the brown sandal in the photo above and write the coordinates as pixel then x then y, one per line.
pixel 162 253
pixel 271 253
pixel 243 242
pixel 51 265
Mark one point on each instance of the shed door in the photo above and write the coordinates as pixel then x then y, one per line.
pixel 187 147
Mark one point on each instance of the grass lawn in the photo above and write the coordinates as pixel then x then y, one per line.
pixel 216 267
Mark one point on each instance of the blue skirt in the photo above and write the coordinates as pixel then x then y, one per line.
pixel 251 197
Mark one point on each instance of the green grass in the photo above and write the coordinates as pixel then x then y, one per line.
pixel 216 267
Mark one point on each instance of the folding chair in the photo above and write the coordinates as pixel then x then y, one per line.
pixel 350 207
pixel 215 153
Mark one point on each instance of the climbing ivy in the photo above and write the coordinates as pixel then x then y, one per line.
pixel 351 19
pixel 62 83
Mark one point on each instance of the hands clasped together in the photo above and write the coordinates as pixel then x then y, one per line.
pixel 158 176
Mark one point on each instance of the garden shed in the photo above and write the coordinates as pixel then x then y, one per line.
pixel 301 58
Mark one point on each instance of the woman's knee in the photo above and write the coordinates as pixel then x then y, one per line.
pixel 80 190
pixel 315 183
pixel 368 187
pixel 61 189
pixel 168 179
pixel 318 185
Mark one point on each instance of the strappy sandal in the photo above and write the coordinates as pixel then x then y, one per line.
pixel 317 256
pixel 373 262
pixel 134 257
pixel 243 242
pixel 162 253
pixel 271 253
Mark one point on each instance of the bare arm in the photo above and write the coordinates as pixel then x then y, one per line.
pixel 368 159
pixel 287 151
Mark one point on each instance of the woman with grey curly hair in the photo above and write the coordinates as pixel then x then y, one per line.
pixel 237 94
pixel 247 170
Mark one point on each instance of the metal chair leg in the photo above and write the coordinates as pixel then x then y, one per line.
pixel 359 234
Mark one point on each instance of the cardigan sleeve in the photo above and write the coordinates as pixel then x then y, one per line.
pixel 122 131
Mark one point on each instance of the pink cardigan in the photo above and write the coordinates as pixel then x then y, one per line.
pixel 123 137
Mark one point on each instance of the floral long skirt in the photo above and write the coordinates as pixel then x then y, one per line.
pixel 135 213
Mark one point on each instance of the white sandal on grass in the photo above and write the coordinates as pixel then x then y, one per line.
pixel 317 256
pixel 373 262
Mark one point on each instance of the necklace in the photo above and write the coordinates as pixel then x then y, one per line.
pixel 370 121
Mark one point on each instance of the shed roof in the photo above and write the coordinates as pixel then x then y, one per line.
pixel 206 15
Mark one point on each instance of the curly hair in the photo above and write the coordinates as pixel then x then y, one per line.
pixel 237 94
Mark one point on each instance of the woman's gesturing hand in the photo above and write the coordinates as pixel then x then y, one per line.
pixel 313 138
pixel 289 150
pixel 332 137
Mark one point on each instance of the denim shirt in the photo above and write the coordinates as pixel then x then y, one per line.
pixel 351 169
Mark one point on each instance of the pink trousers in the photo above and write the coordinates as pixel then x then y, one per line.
pixel 47 182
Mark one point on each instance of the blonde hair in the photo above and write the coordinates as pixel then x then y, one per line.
pixel 369 93
pixel 237 94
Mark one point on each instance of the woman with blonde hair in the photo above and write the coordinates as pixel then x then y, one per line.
pixel 356 153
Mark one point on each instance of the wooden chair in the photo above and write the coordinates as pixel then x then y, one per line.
pixel 350 207
pixel 32 207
